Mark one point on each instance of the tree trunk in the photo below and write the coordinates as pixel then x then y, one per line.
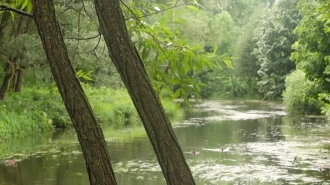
pixel 233 85
pixel 6 81
pixel 89 133
pixel 3 24
pixel 129 64
pixel 5 86
pixel 19 80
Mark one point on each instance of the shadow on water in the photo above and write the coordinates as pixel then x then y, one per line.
pixel 225 142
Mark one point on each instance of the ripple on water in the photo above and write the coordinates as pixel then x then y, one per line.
pixel 269 162
pixel 221 111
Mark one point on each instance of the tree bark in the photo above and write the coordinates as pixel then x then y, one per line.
pixel 19 80
pixel 6 81
pixel 3 24
pixel 88 130
pixel 129 64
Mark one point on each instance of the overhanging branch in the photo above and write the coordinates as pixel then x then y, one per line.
pixel 4 7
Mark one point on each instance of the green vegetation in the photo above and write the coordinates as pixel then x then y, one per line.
pixel 299 94
pixel 311 54
pixel 41 110
pixel 168 60
pixel 274 48
pixel 243 49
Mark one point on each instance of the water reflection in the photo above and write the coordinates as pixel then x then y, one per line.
pixel 234 143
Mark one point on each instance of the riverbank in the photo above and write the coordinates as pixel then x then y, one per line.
pixel 41 110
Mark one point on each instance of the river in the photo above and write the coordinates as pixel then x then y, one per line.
pixel 225 142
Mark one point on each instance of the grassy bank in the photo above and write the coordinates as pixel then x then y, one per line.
pixel 41 110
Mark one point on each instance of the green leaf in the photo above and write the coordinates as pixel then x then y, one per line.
pixel 167 32
pixel 177 93
pixel 163 21
pixel 228 63
pixel 145 53
pixel 25 3
pixel 12 14
pixel 170 13
pixel 138 13
pixel 193 8
pixel 29 7
pixel 79 72
pixel 196 48
pixel 87 77
pixel 327 29
pixel 179 21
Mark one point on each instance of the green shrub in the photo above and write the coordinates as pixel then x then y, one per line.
pixel 326 108
pixel 301 95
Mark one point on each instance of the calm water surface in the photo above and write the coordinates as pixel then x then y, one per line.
pixel 261 146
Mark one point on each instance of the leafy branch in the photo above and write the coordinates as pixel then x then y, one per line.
pixel 172 63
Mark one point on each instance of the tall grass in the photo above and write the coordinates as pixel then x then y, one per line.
pixel 116 107
pixel 40 110
pixel 14 124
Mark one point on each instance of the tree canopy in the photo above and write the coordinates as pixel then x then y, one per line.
pixel 273 49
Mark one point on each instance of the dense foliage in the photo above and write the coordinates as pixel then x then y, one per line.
pixel 212 49
pixel 273 50
pixel 245 65
pixel 299 95
pixel 311 54
pixel 43 108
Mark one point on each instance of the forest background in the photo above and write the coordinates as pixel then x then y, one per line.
pixel 216 49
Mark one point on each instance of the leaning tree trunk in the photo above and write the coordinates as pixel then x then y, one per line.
pixel 129 64
pixel 88 130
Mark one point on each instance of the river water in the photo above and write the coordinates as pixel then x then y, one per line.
pixel 225 142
